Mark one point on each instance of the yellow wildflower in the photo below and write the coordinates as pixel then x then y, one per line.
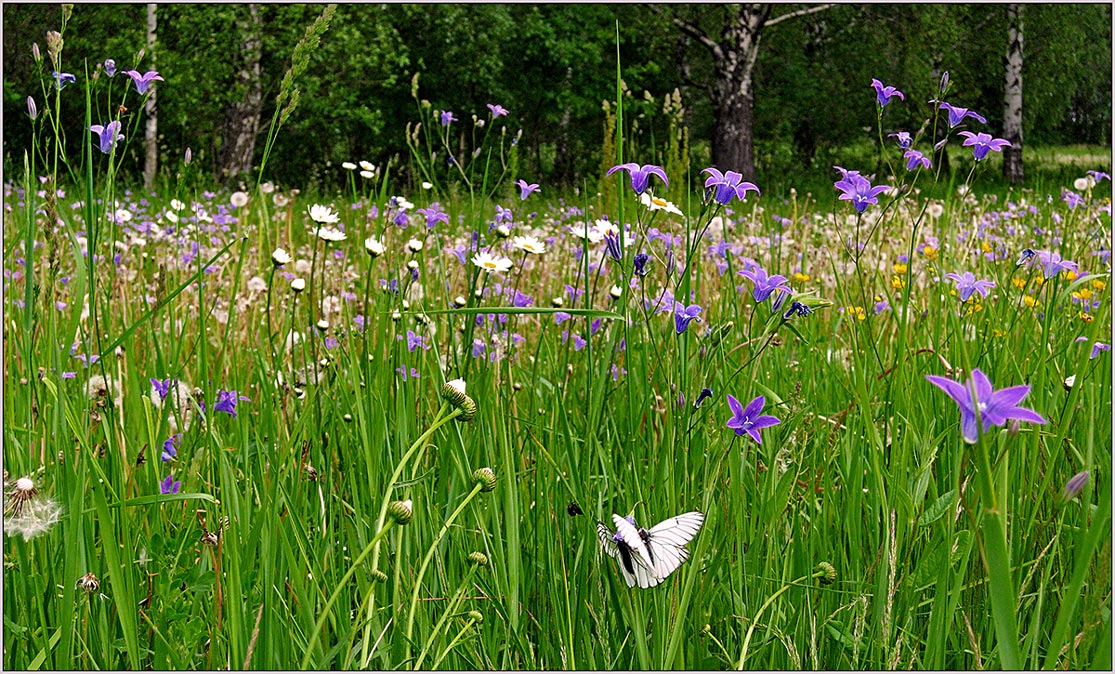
pixel 896 283
pixel 1030 301
pixel 900 268
pixel 800 277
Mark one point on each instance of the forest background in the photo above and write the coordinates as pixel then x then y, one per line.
pixel 553 67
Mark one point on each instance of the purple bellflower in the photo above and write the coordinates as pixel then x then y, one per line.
pixel 143 81
pixel 62 79
pixel 976 396
pixel 170 485
pixel 497 110
pixel 858 190
pixel 110 67
pixel 957 115
pixel 982 143
pixel 915 158
pixel 764 284
pixel 884 93
pixel 640 175
pixel 750 419
pixel 108 136
pixel 904 139
pixel 723 187
pixel 226 402
pixel 170 447
pixel 447 117
pixel 1051 263
pixel 641 260
pixel 967 285
pixel 525 188
pixel 684 315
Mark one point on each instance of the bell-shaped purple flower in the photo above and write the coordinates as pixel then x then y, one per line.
pixel 764 284
pixel 859 191
pixel 982 143
pixel 994 408
pixel 915 159
pixel 170 485
pixel 526 189
pixel 723 187
pixel 750 419
pixel 884 93
pixel 957 115
pixel 640 175
pixel 684 315
pixel 108 136
pixel 143 81
pixel 967 285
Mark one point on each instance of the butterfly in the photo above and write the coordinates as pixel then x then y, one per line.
pixel 649 557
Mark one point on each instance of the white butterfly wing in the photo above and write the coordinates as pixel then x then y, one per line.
pixel 612 549
pixel 606 541
pixel 667 541
pixel 631 537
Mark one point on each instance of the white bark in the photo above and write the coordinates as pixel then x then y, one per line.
pixel 151 131
pixel 1012 115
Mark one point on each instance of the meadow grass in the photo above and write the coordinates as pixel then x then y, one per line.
pixel 342 517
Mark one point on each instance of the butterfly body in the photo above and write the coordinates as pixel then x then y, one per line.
pixel 647 557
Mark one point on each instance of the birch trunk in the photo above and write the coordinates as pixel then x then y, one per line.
pixel 733 142
pixel 1012 115
pixel 151 131
pixel 241 125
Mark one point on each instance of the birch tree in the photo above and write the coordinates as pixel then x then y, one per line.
pixel 1012 114
pixel 151 130
pixel 242 115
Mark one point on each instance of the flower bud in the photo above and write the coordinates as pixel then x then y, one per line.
pixel 1069 382
pixel 1075 484
pixel 35 53
pixel 298 285
pixel 454 393
pixel 828 573
pixel 401 511
pixel 460 301
pixel 280 257
pixel 478 559
pixel 944 82
pixel 485 478
pixel 32 109
pixel 476 616
pixel 503 231
pixel 379 576
pixel 189 157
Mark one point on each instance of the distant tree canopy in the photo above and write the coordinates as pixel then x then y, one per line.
pixel 553 67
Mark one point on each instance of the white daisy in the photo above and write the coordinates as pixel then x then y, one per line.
pixel 489 263
pixel 529 244
pixel 324 215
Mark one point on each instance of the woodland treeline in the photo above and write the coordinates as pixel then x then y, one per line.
pixel 761 87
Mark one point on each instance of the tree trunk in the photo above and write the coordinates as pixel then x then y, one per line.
pixel 241 125
pixel 733 142
pixel 1012 116
pixel 151 132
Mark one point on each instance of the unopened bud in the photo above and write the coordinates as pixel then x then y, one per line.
pixel 401 511
pixel 298 285
pixel 189 157
pixel 827 573
pixel 478 559
pixel 476 616
pixel 379 576
pixel 32 109
pixel 944 82
pixel 454 393
pixel 1075 484
pixel 485 478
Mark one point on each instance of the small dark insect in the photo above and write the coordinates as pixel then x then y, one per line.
pixel 573 509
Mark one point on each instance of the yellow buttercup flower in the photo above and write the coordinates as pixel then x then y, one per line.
pixel 896 283
pixel 800 277
pixel 900 268
pixel 929 253
pixel 1030 301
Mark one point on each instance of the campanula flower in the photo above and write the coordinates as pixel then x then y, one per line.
pixel 525 188
pixel 723 187
pixel 904 139
pixel 858 190
pixel 684 315
pixel 982 143
pixel 62 79
pixel 108 136
pixel 640 175
pixel 957 115
pixel 170 447
pixel 967 285
pixel 1098 175
pixel 995 408
pixel 497 110
pixel 915 158
pixel 143 81
pixel 641 264
pixel 434 215
pixel 705 394
pixel 447 117
pixel 110 67
pixel 170 485
pixel 1051 263
pixel 797 309
pixel 750 419
pixel 1098 348
pixel 884 93
pixel 226 402
pixel 764 284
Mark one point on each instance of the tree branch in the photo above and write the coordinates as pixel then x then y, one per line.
pixel 692 31
pixel 800 12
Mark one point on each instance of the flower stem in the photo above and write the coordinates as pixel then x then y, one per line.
pixel 759 613
pixel 993 531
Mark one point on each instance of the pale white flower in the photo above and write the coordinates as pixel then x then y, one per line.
pixel 324 215
pixel 298 285
pixel 414 245
pixel 609 228
pixel 490 264
pixel 374 246
pixel 256 285
pixel 367 174
pixel 330 234
pixel 401 203
pixel 123 215
pixel 1082 184
pixel 585 231
pixel 935 210
pixel 529 244
pixel 616 292
pixel 238 199
pixel 302 267
pixel 427 185
pixel 267 187
pixel 172 216
pixel 280 257
pixel 177 205
pixel 348 166
pixel 367 165
pixel 654 203
pixel 280 199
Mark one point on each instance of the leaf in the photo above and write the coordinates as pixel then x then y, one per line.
pixel 936 509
